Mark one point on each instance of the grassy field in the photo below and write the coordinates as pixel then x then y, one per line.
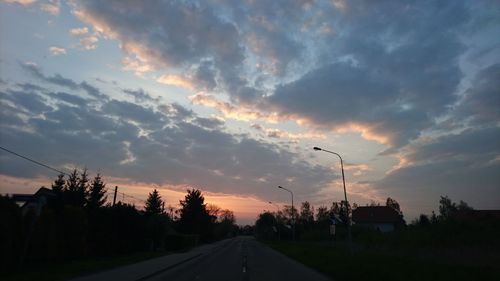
pixel 371 264
pixel 65 270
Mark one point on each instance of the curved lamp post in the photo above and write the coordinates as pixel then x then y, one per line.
pixel 293 217
pixel 349 235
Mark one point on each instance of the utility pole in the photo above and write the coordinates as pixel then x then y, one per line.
pixel 114 197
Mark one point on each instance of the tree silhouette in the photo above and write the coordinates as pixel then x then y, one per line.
pixel 194 217
pixel 306 213
pixel 393 204
pixel 58 188
pixel 82 189
pixel 71 188
pixel 322 215
pixel 154 204
pixel 97 192
pixel 264 225
pixel 58 184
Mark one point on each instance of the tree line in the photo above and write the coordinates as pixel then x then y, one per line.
pixel 78 221
pixel 311 223
pixel 455 225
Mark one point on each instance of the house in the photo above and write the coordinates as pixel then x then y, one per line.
pixel 34 202
pixel 382 218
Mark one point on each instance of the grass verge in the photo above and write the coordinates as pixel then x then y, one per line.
pixel 66 270
pixel 338 264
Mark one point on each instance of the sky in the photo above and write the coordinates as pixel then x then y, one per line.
pixel 230 97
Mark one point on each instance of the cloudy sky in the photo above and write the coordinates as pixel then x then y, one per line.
pixel 231 96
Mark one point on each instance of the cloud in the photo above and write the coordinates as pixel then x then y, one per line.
pixel 175 80
pixel 149 145
pixel 59 80
pixel 231 111
pixel 278 134
pixel 22 2
pixel 463 166
pixel 187 35
pixel 70 99
pixel 358 169
pixel 387 74
pixel 140 95
pixel 380 76
pixel 481 100
pixel 52 7
pixel 57 51
pixel 79 31
pixel 88 41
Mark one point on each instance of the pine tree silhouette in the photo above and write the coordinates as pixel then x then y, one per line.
pixel 154 203
pixel 97 192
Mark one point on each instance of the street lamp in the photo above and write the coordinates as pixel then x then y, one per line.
pixel 293 217
pixel 277 214
pixel 349 235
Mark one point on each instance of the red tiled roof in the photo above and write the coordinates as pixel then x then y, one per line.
pixel 375 214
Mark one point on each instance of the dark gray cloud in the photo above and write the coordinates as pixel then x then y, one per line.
pixel 134 112
pixel 71 99
pixel 57 79
pixel 395 69
pixel 205 76
pixel 29 101
pixel 391 66
pixel 140 95
pixel 173 33
pixel 464 166
pixel 171 145
pixel 60 80
pixel 482 100
pixel 209 123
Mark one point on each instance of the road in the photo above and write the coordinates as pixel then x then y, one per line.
pixel 236 259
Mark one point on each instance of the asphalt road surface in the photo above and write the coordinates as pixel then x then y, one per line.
pixel 236 259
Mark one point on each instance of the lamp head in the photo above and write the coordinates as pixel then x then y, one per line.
pixel 317 148
pixel 279 186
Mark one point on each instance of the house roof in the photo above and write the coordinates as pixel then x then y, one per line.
pixel 375 214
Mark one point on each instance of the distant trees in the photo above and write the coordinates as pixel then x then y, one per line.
pixel 264 225
pixel 322 215
pixel 306 213
pixel 447 208
pixel 77 223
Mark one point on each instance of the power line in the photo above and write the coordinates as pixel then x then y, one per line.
pixel 56 170
pixel 34 161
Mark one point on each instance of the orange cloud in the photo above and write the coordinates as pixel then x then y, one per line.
pixel 358 169
pixel 22 2
pixel 57 51
pixel 230 111
pixel 176 80
pixel 79 31
pixel 366 131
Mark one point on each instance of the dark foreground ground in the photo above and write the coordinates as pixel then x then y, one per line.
pixel 241 258
pixel 336 262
